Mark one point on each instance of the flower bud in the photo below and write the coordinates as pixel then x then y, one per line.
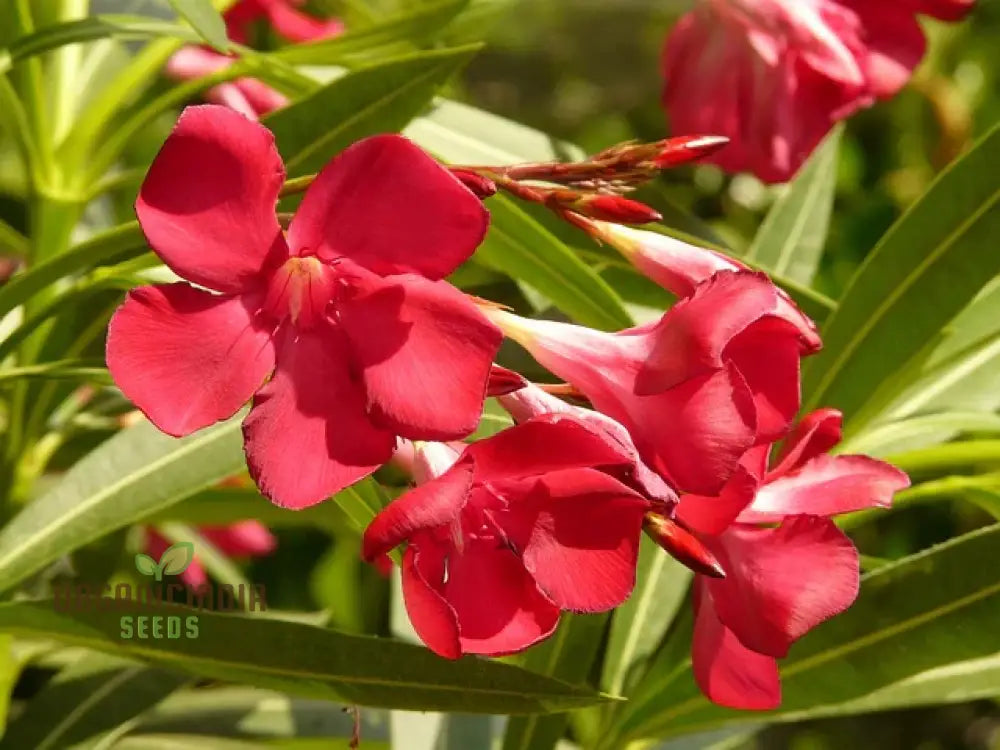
pixel 687 148
pixel 614 208
pixel 682 545
pixel 503 381
pixel 483 187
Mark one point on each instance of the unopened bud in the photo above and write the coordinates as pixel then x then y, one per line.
pixel 687 148
pixel 483 187
pixel 682 545
pixel 503 381
pixel 615 208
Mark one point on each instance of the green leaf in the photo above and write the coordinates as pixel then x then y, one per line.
pixel 791 238
pixel 137 472
pixel 67 368
pixel 926 269
pixel 86 30
pixel 567 655
pixel 638 626
pixel 12 242
pixel 916 432
pixel 309 661
pixel 92 696
pixel 176 558
pixel 146 564
pixel 204 19
pixel 923 612
pixel 409 27
pixel 221 506
pixel 121 243
pixel 379 98
pixel 522 248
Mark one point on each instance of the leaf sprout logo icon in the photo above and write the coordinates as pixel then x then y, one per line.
pixel 174 561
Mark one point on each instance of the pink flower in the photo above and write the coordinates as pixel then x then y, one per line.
pixel 504 536
pixel 346 313
pixel 775 75
pixel 716 375
pixel 248 95
pixel 785 578
pixel 241 539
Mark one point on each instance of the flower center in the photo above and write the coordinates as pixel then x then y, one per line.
pixel 301 289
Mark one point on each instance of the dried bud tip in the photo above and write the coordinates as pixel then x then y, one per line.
pixel 682 545
pixel 688 148
pixel 614 208
pixel 503 381
pixel 483 187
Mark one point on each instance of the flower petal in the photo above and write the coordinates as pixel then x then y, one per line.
pixel 578 533
pixel 713 515
pixel 243 538
pixel 543 444
pixel 816 433
pixel 388 206
pixel 187 358
pixel 207 205
pixel 296 26
pixel 727 672
pixel 431 616
pixel 826 486
pixel 499 608
pixel 692 337
pixel 782 582
pixel 434 503
pixel 307 435
pixel 425 352
pixel 767 355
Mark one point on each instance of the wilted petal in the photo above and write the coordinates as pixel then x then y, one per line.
pixel 307 435
pixel 425 353
pixel 499 608
pixel 388 206
pixel 207 205
pixel 782 582
pixel 187 358
pixel 727 672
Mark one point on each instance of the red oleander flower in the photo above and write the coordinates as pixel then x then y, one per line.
pixel 775 75
pixel 347 310
pixel 784 578
pixel 241 539
pixel 518 527
pixel 716 375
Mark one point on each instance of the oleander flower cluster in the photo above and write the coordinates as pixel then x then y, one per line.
pixel 336 326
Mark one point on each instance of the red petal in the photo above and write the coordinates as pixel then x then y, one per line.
pixel 713 515
pixel 300 27
pixel 307 435
pixel 826 486
pixel 767 356
pixel 426 352
pixel 389 206
pixel 692 336
pixel 500 609
pixel 207 204
pixel 542 444
pixel 578 532
pixel 727 672
pixel 432 617
pixel 187 358
pixel 815 434
pixel 435 503
pixel 782 582
pixel 697 432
